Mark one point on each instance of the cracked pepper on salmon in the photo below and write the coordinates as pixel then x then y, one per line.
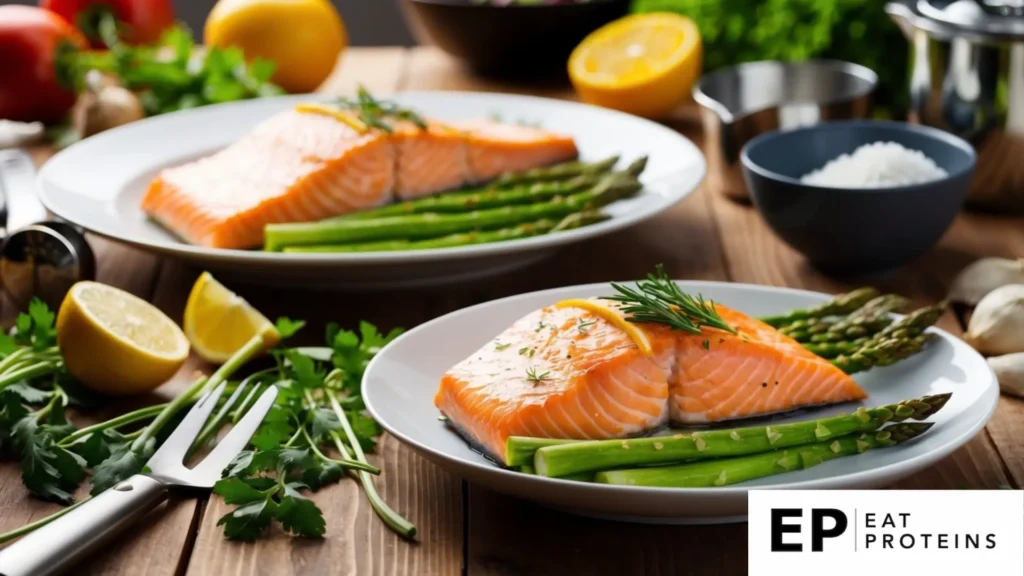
pixel 567 372
pixel 300 166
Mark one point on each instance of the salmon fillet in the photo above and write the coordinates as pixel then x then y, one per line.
pixel 592 382
pixel 301 166
pixel 495 148
pixel 293 167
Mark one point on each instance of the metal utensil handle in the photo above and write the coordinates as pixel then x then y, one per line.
pixel 21 200
pixel 67 541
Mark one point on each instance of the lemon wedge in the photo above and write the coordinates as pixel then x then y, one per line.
pixel 218 322
pixel 615 317
pixel 644 64
pixel 117 343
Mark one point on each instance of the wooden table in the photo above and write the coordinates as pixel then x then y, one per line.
pixel 468 529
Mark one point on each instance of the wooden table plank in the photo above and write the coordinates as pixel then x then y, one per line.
pixel 756 255
pixel 357 542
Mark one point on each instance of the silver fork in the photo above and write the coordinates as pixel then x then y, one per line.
pixel 56 547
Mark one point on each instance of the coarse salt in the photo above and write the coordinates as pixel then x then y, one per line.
pixel 876 165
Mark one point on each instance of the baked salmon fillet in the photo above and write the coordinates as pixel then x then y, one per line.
pixel 569 373
pixel 301 166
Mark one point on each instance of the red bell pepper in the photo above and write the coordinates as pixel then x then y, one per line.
pixel 31 40
pixel 143 20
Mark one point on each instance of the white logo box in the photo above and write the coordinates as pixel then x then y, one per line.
pixel 934 532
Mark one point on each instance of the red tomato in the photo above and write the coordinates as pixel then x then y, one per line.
pixel 29 87
pixel 145 19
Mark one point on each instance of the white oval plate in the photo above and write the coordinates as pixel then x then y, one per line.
pixel 98 184
pixel 400 383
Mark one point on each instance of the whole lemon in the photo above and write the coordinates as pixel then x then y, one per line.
pixel 304 38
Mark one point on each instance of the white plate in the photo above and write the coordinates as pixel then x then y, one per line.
pixel 400 383
pixel 98 184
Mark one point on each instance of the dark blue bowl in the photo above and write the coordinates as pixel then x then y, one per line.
pixel 853 231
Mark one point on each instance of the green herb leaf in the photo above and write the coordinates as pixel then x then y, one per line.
pixel 322 421
pixel 288 327
pixel 299 515
pixel 122 464
pixel 249 521
pixel 237 492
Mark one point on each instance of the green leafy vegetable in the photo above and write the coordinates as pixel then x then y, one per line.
pixel 175 74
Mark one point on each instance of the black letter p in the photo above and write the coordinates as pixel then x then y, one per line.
pixel 818 532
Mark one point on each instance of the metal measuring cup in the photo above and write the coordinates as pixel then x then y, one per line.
pixel 39 257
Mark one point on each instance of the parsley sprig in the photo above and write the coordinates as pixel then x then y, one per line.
pixel 318 412
pixel 658 299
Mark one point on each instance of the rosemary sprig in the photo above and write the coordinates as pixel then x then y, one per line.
pixel 532 376
pixel 658 299
pixel 374 112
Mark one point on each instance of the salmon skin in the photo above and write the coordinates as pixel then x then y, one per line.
pixel 569 373
pixel 299 166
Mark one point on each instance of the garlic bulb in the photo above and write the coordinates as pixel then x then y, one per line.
pixel 1009 370
pixel 997 325
pixel 104 105
pixel 984 276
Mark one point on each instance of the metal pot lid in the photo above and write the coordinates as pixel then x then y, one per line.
pixel 985 19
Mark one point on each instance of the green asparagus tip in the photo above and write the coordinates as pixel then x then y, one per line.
pixel 604 165
pixel 903 431
pixel 636 168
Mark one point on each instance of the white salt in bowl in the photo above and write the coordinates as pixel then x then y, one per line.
pixel 864 224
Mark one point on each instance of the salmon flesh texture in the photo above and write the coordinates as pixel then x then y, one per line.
pixel 590 381
pixel 301 167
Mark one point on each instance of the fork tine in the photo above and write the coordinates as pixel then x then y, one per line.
pixel 210 468
pixel 172 453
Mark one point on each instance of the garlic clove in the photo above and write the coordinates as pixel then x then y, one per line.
pixel 104 105
pixel 1009 369
pixel 984 276
pixel 997 325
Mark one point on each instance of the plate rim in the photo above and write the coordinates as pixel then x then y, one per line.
pixel 695 175
pixel 898 469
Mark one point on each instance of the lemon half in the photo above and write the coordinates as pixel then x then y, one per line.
pixel 219 322
pixel 644 64
pixel 117 343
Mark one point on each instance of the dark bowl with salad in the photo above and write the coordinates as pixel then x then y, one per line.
pixel 510 39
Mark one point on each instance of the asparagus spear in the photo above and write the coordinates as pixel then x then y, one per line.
pixel 829 350
pixel 914 323
pixel 735 470
pixel 466 201
pixel 842 304
pixel 571 458
pixel 519 450
pixel 881 353
pixel 561 171
pixel 544 226
pixel 417 226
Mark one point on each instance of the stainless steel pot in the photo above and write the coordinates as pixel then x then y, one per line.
pixel 744 101
pixel 967 77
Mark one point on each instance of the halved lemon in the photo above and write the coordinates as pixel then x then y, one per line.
pixel 115 342
pixel 644 64
pixel 219 322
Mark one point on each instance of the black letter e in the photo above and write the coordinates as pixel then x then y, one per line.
pixel 779 528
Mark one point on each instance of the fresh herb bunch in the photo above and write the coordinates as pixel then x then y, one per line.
pixel 318 409
pixel 32 403
pixel 658 299
pixel 736 31
pixel 174 74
